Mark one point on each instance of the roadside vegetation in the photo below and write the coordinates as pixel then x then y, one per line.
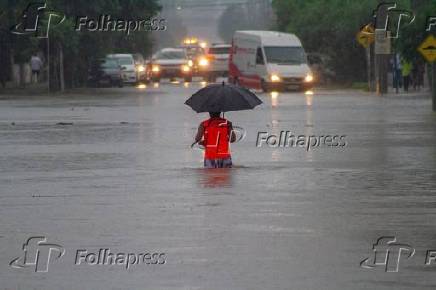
pixel 330 27
pixel 71 51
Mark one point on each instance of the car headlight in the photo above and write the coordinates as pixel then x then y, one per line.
pixel 155 68
pixel 186 68
pixel 275 78
pixel 308 78
pixel 140 68
pixel 190 63
pixel 203 62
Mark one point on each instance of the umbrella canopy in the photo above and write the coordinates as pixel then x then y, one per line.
pixel 223 98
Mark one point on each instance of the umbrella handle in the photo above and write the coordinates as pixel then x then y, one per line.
pixel 198 147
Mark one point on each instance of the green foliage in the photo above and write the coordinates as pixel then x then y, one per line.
pixel 80 47
pixel 413 35
pixel 330 26
pixel 254 15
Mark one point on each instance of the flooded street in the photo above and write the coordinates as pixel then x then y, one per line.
pixel 113 169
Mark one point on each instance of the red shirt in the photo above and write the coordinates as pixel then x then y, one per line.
pixel 216 138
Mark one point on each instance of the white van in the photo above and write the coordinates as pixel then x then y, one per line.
pixel 269 60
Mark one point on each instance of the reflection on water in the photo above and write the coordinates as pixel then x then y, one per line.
pixel 215 177
pixel 274 98
pixel 175 82
pixel 275 128
pixel 141 86
pixel 156 85
pixel 203 84
pixel 309 121
pixel 186 84
pixel 309 100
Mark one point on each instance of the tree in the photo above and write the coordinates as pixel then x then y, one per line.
pixel 411 36
pixel 329 27
pixel 79 48
pixel 255 15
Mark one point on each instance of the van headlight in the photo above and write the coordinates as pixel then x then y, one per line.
pixel 308 78
pixel 275 78
pixel 155 68
pixel 140 68
pixel 186 68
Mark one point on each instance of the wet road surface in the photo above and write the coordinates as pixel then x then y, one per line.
pixel 112 169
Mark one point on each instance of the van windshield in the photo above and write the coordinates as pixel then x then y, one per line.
pixel 285 54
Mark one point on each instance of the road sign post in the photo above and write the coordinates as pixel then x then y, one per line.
pixel 428 51
pixel 365 37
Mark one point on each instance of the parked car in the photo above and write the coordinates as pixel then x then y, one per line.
pixel 269 60
pixel 128 67
pixel 218 56
pixel 105 72
pixel 320 64
pixel 171 63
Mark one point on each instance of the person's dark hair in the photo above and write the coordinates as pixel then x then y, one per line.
pixel 214 114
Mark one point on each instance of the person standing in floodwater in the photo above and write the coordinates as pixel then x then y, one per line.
pixel 216 134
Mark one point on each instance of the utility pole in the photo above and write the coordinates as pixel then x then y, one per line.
pixel 370 68
pixel 382 48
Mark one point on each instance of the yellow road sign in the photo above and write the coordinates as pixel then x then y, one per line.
pixel 428 48
pixel 365 36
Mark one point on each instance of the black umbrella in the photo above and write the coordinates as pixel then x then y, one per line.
pixel 223 98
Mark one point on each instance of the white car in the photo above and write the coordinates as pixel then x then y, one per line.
pixel 171 63
pixel 218 55
pixel 128 67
